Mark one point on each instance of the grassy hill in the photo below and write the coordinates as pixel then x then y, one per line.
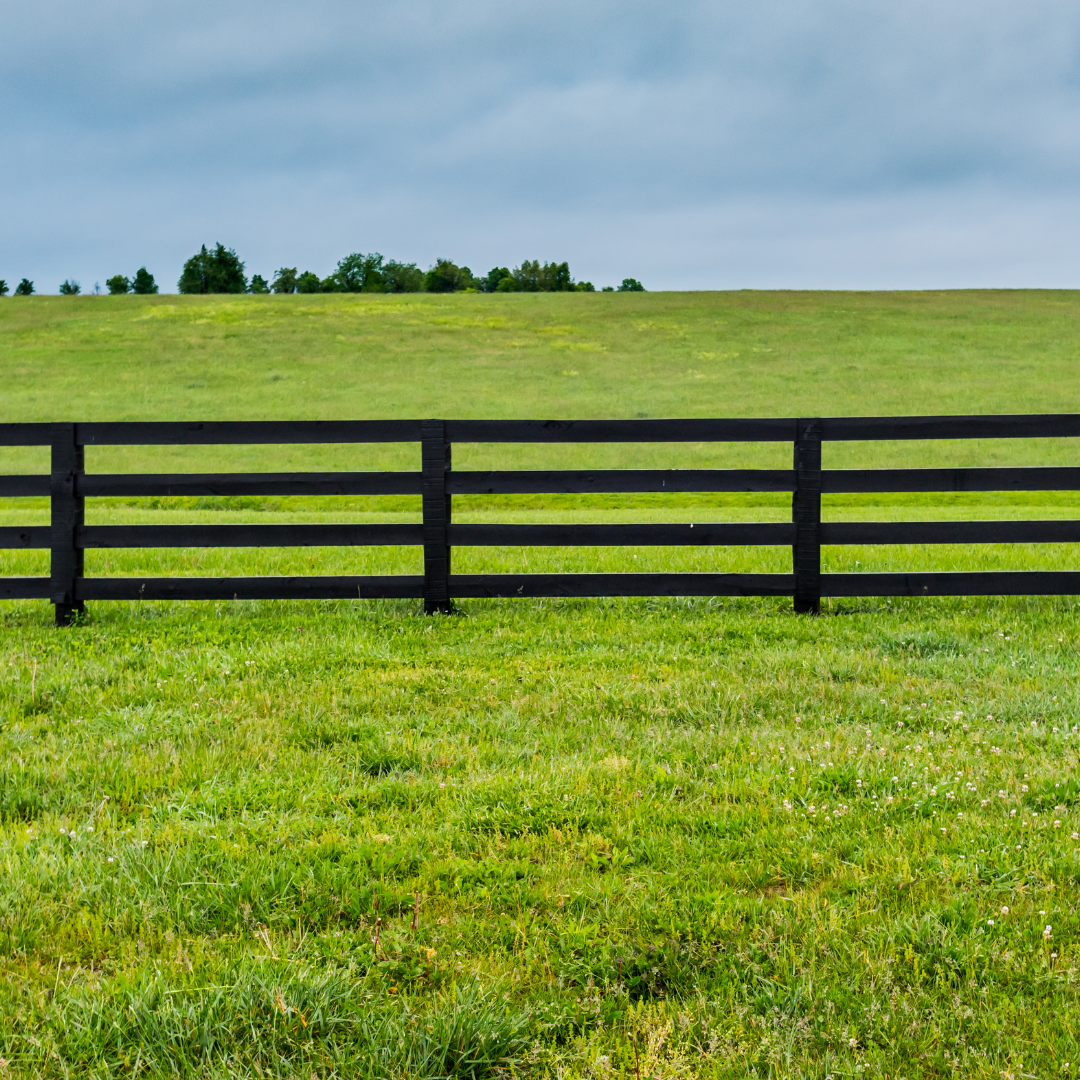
pixel 640 838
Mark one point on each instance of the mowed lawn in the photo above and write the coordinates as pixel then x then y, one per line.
pixel 637 838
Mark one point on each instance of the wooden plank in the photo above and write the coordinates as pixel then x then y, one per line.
pixel 367 587
pixel 1024 426
pixel 315 534
pixel 620 535
pixel 25 588
pixel 968 583
pixel 477 586
pixel 66 515
pixel 25 536
pixel 25 434
pixel 1064 478
pixel 951 532
pixel 806 516
pixel 246 432
pixel 23 485
pixel 435 450
pixel 254 484
pixel 614 481
pixel 620 431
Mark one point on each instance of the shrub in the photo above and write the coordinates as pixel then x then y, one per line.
pixel 585 286
pixel 506 285
pixel 217 271
pixel 308 282
pixel 608 288
pixel 143 282
pixel 258 284
pixel 117 285
pixel 630 284
pixel 402 277
pixel 24 288
pixel 285 280
pixel 3 287
pixel 70 288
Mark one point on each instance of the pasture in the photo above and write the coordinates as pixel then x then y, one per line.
pixel 637 838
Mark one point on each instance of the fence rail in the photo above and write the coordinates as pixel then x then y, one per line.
pixel 68 485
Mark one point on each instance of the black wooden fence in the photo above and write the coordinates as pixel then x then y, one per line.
pixel 69 485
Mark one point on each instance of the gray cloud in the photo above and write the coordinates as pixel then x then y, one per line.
pixel 785 142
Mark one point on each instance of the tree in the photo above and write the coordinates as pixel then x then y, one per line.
pixel 608 288
pixel 70 288
pixel 630 284
pixel 495 276
pixel 117 285
pixel 308 282
pixel 258 284
pixel 402 277
pixel 527 276
pixel 330 283
pixel 3 287
pixel 360 273
pixel 555 277
pixel 24 288
pixel 143 282
pixel 585 286
pixel 445 277
pixel 217 271
pixel 285 280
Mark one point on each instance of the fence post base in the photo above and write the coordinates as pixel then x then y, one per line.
pixel 435 464
pixel 806 515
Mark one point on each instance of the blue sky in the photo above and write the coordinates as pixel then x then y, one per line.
pixel 779 143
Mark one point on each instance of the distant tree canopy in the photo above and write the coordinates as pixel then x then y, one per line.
pixel 284 280
pixel 143 282
pixel 217 271
pixel 445 277
pixel 70 288
pixel 3 287
pixel 24 288
pixel 117 285
pixel 532 276
pixel 630 284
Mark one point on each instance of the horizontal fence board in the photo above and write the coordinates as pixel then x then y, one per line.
pixel 22 485
pixel 477 586
pixel 615 481
pixel 618 535
pixel 620 431
pixel 25 588
pixel 315 534
pixel 950 532
pixel 246 432
pixel 238 484
pixel 882 480
pixel 399 587
pixel 25 434
pixel 25 536
pixel 1026 426
pixel 965 583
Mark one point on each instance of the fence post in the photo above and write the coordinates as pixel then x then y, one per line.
pixel 806 514
pixel 435 464
pixel 67 516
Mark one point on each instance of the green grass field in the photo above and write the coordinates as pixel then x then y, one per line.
pixel 611 838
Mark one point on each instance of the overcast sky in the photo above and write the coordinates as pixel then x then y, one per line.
pixel 773 143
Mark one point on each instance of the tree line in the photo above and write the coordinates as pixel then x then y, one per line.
pixel 220 270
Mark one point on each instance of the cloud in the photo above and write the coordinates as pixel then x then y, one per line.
pixel 134 132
